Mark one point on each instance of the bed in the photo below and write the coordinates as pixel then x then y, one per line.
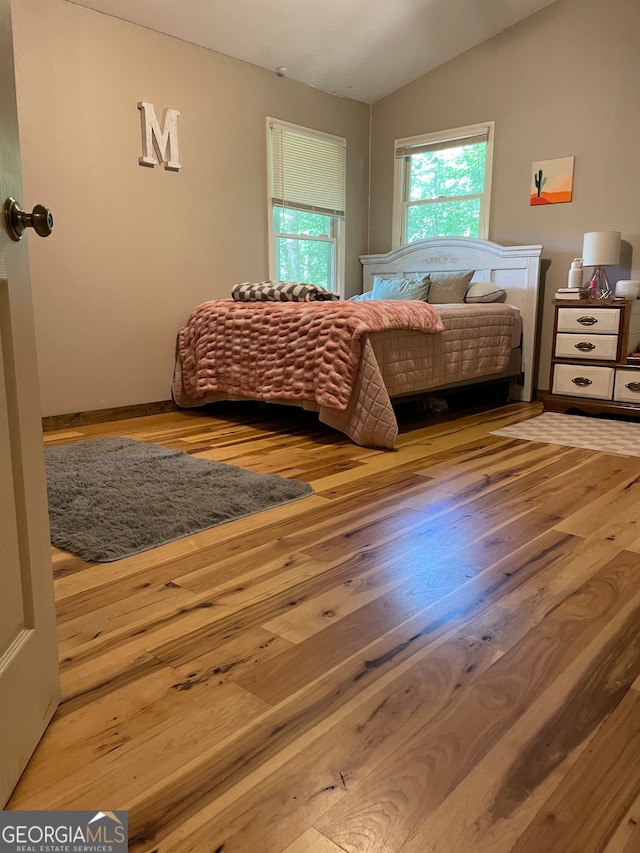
pixel 231 351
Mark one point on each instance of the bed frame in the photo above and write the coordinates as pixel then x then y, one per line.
pixel 516 269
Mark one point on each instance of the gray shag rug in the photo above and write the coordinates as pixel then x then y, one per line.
pixel 114 497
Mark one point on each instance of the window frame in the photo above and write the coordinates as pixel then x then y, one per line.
pixel 336 237
pixel 401 190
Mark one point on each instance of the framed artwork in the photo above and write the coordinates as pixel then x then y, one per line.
pixel 552 181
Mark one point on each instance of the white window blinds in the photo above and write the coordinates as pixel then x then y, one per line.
pixel 407 147
pixel 308 172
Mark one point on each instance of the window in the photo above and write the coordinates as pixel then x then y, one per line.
pixel 442 184
pixel 307 180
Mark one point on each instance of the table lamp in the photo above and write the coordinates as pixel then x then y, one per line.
pixel 601 249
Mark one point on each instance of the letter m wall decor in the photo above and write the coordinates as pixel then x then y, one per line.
pixel 159 144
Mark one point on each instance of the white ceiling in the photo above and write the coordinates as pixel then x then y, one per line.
pixel 361 49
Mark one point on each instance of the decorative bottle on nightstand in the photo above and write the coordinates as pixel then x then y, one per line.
pixel 575 273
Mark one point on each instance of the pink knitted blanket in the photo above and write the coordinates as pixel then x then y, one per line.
pixel 287 350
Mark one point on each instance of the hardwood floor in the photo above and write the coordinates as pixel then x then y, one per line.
pixel 437 651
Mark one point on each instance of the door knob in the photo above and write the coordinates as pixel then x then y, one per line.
pixel 40 219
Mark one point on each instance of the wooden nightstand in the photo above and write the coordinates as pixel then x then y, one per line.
pixel 590 368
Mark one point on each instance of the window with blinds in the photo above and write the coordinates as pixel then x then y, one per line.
pixel 442 184
pixel 307 188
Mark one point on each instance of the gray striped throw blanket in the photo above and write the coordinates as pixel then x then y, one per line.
pixel 280 291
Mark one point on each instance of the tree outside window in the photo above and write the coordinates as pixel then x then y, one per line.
pixel 304 246
pixel 443 184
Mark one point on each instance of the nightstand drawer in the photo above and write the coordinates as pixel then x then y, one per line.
pixel 627 387
pixel 577 380
pixel 598 321
pixel 604 347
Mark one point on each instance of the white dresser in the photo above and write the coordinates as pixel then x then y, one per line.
pixel 590 364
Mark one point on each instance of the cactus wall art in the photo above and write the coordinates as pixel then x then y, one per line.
pixel 552 181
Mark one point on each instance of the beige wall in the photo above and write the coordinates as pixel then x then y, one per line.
pixel 565 82
pixel 134 248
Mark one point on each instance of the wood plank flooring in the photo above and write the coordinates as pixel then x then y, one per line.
pixel 437 652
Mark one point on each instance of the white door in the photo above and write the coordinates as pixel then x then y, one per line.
pixel 29 683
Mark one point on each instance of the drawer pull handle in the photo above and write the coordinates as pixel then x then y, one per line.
pixel 633 386
pixel 582 381
pixel 585 346
pixel 587 321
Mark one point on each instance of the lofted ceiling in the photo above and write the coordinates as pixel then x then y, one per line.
pixel 360 49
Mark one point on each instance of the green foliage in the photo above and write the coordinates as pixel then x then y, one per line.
pixel 448 172
pixel 286 220
pixel 439 180
pixel 444 219
pixel 297 259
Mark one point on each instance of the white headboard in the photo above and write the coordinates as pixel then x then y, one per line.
pixel 514 268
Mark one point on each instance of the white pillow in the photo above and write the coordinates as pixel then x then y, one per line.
pixel 362 296
pixel 485 291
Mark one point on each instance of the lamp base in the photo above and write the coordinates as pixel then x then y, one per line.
pixel 599 286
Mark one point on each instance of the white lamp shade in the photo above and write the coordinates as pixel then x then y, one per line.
pixel 601 248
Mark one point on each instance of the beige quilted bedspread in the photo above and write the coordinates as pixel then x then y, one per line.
pixel 476 341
